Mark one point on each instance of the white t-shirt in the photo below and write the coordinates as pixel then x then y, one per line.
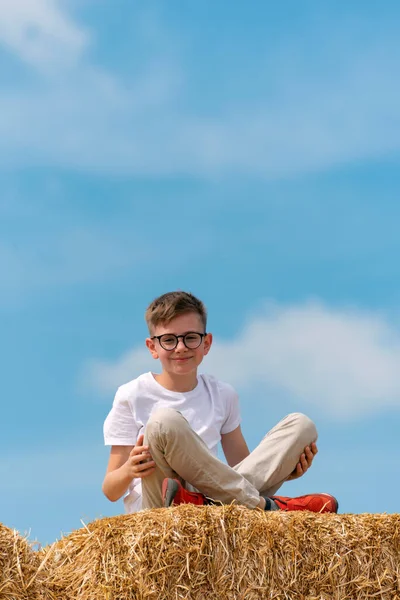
pixel 211 408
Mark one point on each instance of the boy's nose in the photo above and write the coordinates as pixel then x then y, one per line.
pixel 180 345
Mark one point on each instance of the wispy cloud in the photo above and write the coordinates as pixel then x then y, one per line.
pixel 40 33
pixel 106 376
pixel 344 363
pixel 91 119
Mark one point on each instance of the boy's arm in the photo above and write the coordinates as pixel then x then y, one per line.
pixel 117 478
pixel 126 463
pixel 234 446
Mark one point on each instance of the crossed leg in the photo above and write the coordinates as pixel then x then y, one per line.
pixel 180 453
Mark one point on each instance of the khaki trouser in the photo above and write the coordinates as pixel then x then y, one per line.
pixel 181 454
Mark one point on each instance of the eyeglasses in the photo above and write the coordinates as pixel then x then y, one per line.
pixel 169 341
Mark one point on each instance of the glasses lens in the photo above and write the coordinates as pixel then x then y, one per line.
pixel 192 340
pixel 168 341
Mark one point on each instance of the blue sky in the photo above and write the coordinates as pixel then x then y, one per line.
pixel 249 156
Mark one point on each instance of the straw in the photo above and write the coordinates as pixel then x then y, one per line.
pixel 228 553
pixel 20 569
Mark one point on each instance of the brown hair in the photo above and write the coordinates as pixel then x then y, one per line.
pixel 168 306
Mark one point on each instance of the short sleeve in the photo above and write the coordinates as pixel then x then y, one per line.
pixel 120 427
pixel 233 418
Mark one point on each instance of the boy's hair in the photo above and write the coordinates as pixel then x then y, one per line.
pixel 173 304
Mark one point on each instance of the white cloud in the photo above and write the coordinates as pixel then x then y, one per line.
pixel 40 32
pixel 106 376
pixel 89 119
pixel 92 122
pixel 342 362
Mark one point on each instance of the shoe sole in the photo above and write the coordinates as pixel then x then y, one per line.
pixel 169 490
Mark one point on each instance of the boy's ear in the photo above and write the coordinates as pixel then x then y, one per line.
pixel 207 343
pixel 152 347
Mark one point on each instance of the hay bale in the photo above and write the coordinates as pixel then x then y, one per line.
pixel 229 553
pixel 21 569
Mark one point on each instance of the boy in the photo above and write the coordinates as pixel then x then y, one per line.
pixel 164 429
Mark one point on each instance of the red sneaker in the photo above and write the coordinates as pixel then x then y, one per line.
pixel 173 492
pixel 318 503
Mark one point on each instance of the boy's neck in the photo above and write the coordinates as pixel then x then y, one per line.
pixel 183 383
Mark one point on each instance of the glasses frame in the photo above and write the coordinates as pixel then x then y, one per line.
pixel 158 337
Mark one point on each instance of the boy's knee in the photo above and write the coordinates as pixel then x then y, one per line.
pixel 165 419
pixel 307 430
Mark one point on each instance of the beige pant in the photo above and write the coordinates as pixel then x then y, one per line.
pixel 181 454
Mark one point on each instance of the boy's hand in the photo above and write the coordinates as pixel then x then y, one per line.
pixel 140 463
pixel 305 462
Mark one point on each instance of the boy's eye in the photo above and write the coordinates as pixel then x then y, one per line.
pixel 168 340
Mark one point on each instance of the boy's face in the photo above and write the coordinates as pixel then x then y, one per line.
pixel 181 360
